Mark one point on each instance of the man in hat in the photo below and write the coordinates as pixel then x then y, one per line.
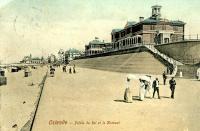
pixel 156 87
pixel 172 83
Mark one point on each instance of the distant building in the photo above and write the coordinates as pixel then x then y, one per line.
pixel 52 59
pixel 153 30
pixel 61 56
pixel 96 47
pixel 108 47
pixel 37 60
pixel 72 53
pixel 32 60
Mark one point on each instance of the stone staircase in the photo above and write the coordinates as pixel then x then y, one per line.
pixel 172 61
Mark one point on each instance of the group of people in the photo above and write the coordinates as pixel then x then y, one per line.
pixel 52 70
pixel 71 69
pixel 148 86
pixel 64 68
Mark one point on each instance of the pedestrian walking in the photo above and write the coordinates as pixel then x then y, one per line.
pixel 52 70
pixel 70 70
pixel 74 70
pixel 127 93
pixel 148 87
pixel 172 83
pixel 164 78
pixel 64 68
pixel 156 87
pixel 142 89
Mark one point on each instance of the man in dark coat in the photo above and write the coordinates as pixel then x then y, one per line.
pixel 156 87
pixel 164 78
pixel 172 83
pixel 64 68
pixel 70 70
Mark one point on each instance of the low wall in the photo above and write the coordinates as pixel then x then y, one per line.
pixel 188 71
pixel 28 126
pixel 183 51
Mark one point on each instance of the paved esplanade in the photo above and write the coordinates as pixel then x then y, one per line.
pixel 87 100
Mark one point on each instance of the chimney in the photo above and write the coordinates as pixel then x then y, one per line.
pixel 141 19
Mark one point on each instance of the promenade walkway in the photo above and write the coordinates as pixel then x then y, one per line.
pixel 91 100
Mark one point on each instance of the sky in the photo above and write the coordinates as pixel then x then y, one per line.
pixel 42 27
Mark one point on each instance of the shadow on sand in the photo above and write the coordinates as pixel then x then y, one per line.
pixel 164 97
pixel 120 101
pixel 136 98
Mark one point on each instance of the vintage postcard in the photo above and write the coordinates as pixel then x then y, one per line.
pixel 99 65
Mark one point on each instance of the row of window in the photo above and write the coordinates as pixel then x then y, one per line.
pixel 152 27
pixel 128 42
pixel 127 31
pixel 94 52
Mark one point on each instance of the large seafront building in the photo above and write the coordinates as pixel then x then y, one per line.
pixel 153 30
pixel 97 46
pixel 72 53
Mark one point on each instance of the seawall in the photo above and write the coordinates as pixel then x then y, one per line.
pixel 142 62
pixel 183 51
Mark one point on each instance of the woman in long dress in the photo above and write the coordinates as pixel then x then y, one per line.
pixel 142 90
pixel 148 87
pixel 127 93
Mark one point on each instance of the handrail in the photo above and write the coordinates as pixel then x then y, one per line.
pixel 165 57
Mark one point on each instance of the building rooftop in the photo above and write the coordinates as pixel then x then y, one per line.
pixel 73 50
pixel 154 19
pixel 116 30
pixel 36 58
pixel 154 6
pixel 96 41
pixel 130 23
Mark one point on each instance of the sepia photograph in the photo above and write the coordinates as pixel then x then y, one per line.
pixel 99 65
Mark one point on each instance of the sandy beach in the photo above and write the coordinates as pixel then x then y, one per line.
pixel 18 98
